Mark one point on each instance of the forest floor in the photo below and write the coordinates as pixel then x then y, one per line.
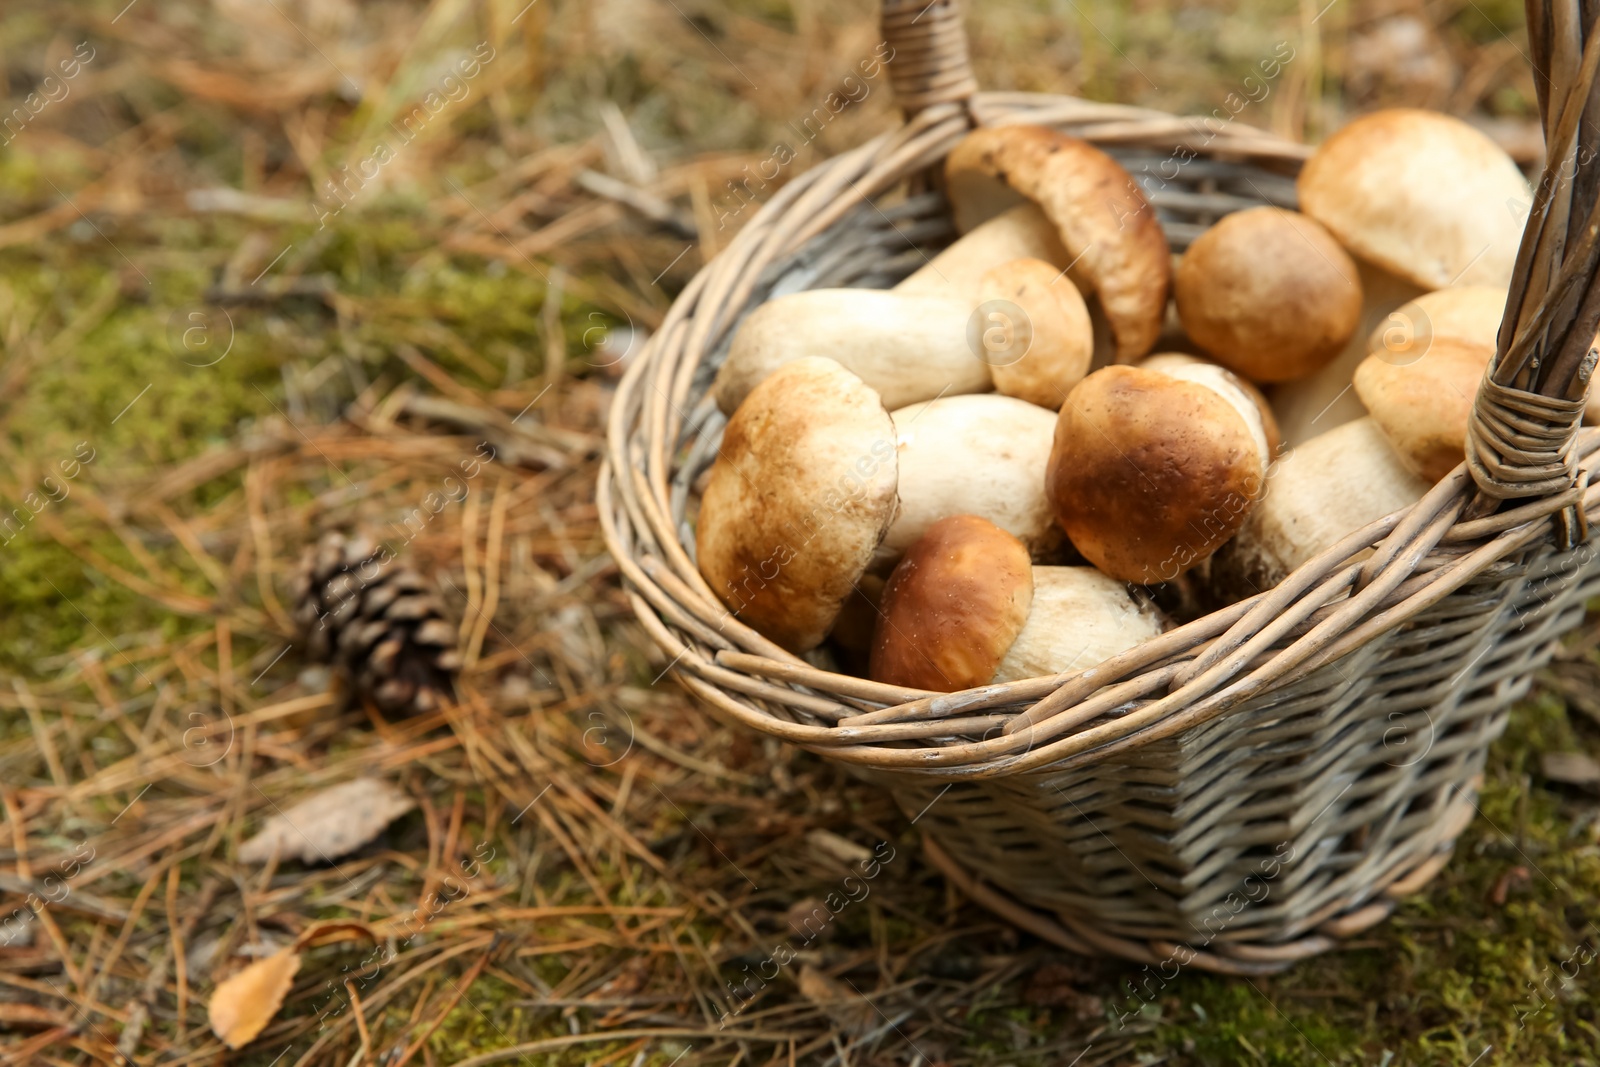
pixel 211 355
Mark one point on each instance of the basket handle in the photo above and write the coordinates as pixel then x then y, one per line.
pixel 928 59
pixel 1525 418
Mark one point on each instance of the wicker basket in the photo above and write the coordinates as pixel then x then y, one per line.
pixel 1248 788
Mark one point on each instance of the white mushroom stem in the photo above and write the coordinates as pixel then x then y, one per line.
pixel 1317 493
pixel 906 346
pixel 981 455
pixel 1020 233
pixel 1079 617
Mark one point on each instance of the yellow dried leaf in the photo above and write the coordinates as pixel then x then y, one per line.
pixel 242 1006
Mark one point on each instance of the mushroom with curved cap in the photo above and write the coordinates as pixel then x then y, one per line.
pixel 1423 402
pixel 802 491
pixel 1150 473
pixel 964 608
pixel 1421 194
pixel 982 455
pixel 1317 493
pixel 1269 294
pixel 1119 251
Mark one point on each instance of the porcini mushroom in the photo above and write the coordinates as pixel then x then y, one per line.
pixel 1022 319
pixel 1423 402
pixel 1119 251
pixel 982 455
pixel 964 608
pixel 801 493
pixel 1269 294
pixel 1317 493
pixel 1149 472
pixel 1421 194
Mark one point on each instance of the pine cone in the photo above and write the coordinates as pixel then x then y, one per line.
pixel 377 622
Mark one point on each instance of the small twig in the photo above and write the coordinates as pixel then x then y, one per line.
pixel 365 1054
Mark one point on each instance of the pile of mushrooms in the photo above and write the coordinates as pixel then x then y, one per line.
pixel 984 474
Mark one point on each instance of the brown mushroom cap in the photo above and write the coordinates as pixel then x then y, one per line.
pixel 1043 366
pixel 1119 250
pixel 1149 474
pixel 1194 369
pixel 1269 294
pixel 1423 406
pixel 802 491
pixel 953 607
pixel 1421 194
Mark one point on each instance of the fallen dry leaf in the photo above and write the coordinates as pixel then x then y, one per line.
pixel 243 1005
pixel 329 824
pixel 1570 768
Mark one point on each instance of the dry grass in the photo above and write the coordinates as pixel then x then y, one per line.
pixel 640 863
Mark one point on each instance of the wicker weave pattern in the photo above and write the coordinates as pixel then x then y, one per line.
pixel 1340 719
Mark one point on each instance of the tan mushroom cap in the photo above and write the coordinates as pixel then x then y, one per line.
pixel 1227 384
pixel 1119 250
pixel 906 346
pixel 1469 313
pixel 1269 294
pixel 1149 473
pixel 953 607
pixel 1041 357
pixel 1079 618
pixel 982 454
pixel 1330 486
pixel 1423 407
pixel 802 491
pixel 1421 194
